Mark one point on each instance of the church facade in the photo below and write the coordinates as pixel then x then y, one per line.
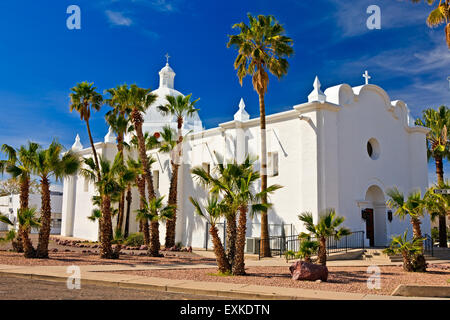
pixel 342 149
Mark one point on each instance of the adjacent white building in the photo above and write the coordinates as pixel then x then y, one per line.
pixel 10 204
pixel 341 149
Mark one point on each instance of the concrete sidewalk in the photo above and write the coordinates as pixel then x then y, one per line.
pixel 99 275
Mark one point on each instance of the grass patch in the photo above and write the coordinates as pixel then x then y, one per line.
pixel 220 274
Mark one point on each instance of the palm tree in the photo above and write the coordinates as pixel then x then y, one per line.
pixel 155 210
pixel 180 107
pixel 214 211
pixel 118 120
pixel 263 48
pixel 438 148
pixel 82 99
pixel 327 226
pixel 48 164
pixel 27 220
pixel 19 164
pixel 140 100
pixel 138 168
pixel 408 249
pixel 438 205
pixel 236 183
pixel 169 144
pixel 413 208
pixel 108 187
pixel 440 15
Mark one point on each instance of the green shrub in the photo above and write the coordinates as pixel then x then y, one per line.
pixel 135 239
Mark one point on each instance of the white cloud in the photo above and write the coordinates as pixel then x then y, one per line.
pixel 118 19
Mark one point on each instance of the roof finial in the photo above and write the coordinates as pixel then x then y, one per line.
pixel 77 146
pixel 167 57
pixel 317 95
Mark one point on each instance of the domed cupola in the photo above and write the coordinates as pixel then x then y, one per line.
pixel 166 76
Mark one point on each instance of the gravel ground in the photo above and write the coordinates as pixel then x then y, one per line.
pixel 342 279
pixel 76 256
pixel 12 288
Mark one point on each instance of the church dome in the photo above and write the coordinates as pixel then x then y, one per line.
pixel 153 119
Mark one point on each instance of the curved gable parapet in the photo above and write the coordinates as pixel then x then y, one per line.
pixel 341 94
pixel 371 87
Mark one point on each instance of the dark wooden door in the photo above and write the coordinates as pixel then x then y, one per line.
pixel 370 234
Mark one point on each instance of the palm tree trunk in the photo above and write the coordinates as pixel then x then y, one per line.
pixel 46 218
pixel 154 237
pixel 407 265
pixel 29 251
pixel 322 253
pixel 93 151
pixel 265 244
pixel 140 182
pixel 231 231
pixel 106 249
pixel 442 221
pixel 171 223
pixel 121 212
pixel 23 198
pixel 222 261
pixel 443 230
pixel 239 262
pixel 127 217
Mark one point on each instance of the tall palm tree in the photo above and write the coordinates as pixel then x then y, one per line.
pixel 262 48
pixel 214 211
pixel 168 144
pixel 140 100
pixel 108 187
pixel 438 148
pixel 137 167
pixel 439 15
pixel 180 107
pixel 27 220
pixel 47 164
pixel 83 98
pixel 19 164
pixel 412 207
pixel 118 120
pixel 327 226
pixel 438 205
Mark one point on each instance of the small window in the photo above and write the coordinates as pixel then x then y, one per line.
pixel 273 164
pixel 373 149
pixel 156 179
pixel 86 185
pixel 206 167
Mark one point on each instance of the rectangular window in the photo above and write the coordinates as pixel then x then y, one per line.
pixel 156 179
pixel 272 164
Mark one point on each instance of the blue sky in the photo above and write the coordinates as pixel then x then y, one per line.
pixel 126 40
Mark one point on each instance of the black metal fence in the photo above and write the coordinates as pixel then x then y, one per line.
pixel 280 245
pixel 428 245
pixel 273 227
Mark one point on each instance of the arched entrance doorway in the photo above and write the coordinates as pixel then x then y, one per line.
pixel 375 216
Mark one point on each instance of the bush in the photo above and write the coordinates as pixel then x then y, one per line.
pixel 135 239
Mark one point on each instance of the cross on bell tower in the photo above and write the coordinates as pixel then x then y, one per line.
pixel 167 57
pixel 366 76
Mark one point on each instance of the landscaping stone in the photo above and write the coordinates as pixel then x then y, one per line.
pixel 302 270
pixel 143 247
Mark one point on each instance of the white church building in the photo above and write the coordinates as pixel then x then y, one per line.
pixel 342 149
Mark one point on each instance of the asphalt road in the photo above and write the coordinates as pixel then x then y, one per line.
pixel 13 288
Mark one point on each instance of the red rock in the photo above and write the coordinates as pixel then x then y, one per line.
pixel 143 247
pixel 55 250
pixel 189 249
pixel 301 270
